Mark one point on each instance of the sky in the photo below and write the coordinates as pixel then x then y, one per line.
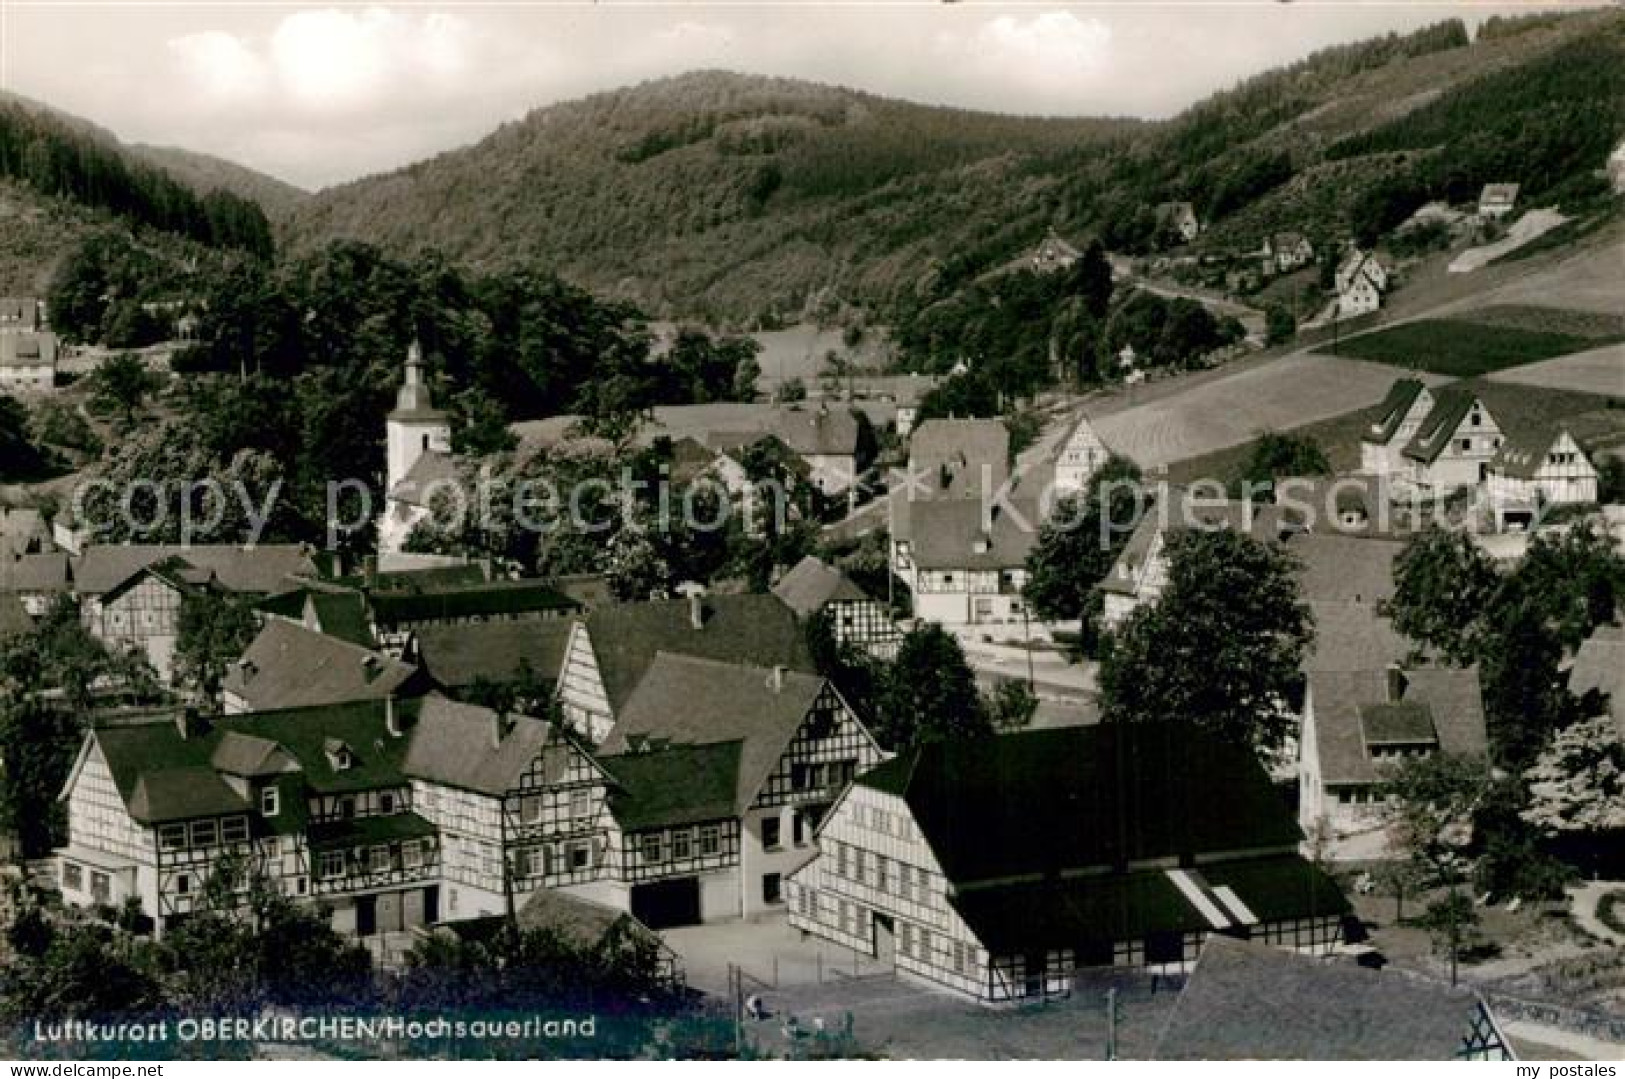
pixel 317 95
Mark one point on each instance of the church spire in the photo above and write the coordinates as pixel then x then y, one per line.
pixel 413 400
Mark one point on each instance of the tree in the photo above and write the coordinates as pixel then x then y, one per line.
pixel 929 694
pixel 121 384
pixel 1279 324
pixel 1012 705
pixel 212 630
pixel 1081 540
pixel 1574 579
pixel 38 741
pixel 1220 648
pixel 1276 456
pixel 1577 784
pixel 790 391
pixel 1444 585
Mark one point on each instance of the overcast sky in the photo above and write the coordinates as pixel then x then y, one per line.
pixel 317 95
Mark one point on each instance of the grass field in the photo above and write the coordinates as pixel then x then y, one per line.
pixel 1464 347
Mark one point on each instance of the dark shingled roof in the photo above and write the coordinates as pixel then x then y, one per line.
pixel 263 570
pixel 675 786
pixel 496 598
pixel 1248 1001
pixel 1401 396
pixel 1353 637
pixel 366 831
pixel 1109 794
pixel 1451 405
pixel 812 584
pixel 458 656
pixel 289 666
pixel 952 534
pixel 44 572
pixel 1451 697
pixel 340 614
pixel 1340 568
pixel 962 450
pixel 752 629
pixel 688 701
pixel 456 744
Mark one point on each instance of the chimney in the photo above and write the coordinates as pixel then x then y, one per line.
pixel 500 726
pixel 369 666
pixel 1396 683
pixel 392 718
pixel 246 669
pixel 775 681
pixel 696 610
pixel 189 723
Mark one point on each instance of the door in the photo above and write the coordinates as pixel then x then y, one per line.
pixel 391 913
pixel 431 904
pixel 366 915
pixel 885 939
pixel 667 903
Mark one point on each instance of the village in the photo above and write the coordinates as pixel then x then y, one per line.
pixel 1195 637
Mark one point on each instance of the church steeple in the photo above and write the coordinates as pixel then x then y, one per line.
pixel 413 400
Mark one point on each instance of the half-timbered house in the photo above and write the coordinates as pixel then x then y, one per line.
pixel 999 868
pixel 1400 417
pixel 813 588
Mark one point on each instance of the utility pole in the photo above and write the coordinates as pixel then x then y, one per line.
pixel 1111 1022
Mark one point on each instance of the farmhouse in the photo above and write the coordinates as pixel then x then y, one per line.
pixel 130 596
pixel 1399 418
pixel 723 772
pixel 1455 443
pixel 1180 217
pixel 19 314
pixel 27 362
pixel 289 666
pixel 814 587
pixel 609 651
pixel 1289 250
pixel 964 563
pixel 1536 468
pixel 37 580
pixel 1246 1002
pixel 999 868
pixel 1497 200
pixel 1082 455
pixel 1361 280
pixel 958 459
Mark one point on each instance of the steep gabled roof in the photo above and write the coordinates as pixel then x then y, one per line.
pixel 963 451
pixel 1338 568
pixel 457 745
pixel 289 666
pixel 750 629
pixel 432 472
pixel 1451 406
pixel 459 656
pixel 1393 410
pixel 1246 1001
pixel 1344 701
pixel 675 786
pixel 1043 802
pixel 814 583
pixel 1353 637
pixel 683 700
pixel 262 570
pixel 952 534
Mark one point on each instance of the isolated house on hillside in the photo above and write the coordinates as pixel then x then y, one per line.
pixel 27 363
pixel 1288 251
pixel 723 773
pixel 1361 280
pixel 1179 217
pixel 1497 200
pixel 999 868
pixel 1054 253
pixel 1246 1002
pixel 814 587
pixel 1400 416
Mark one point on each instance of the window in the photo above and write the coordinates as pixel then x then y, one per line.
pixel 798 776
pixel 770 833
pixel 808 902
pixel 905 888
pixel 961 964
pixel 346 808
pixel 172 836
pixel 857 865
pixel 653 850
pixel 386 803
pixel 234 830
pixel 798 829
pixel 205 833
pixel 580 805
pixel 841 867
pixel 183 884
pixel 412 853
pixel 882 873
pixel 1466 444
pixel 270 802
pixel 330 865
pixel 682 844
pixel 524 862
pixel 301 885
pixel 772 888
pixel 530 808
pixel 73 876
pixel 580 856
pixel 101 887
pixel 710 840
pixel 378 859
pixel 905 943
pixel 925 943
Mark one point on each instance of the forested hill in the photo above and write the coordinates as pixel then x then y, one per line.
pixel 738 197
pixel 204 173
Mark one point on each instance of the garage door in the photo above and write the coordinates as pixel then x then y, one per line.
pixel 667 903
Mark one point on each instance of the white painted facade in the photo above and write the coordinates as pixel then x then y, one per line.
pixel 1386 459
pixel 1080 458
pixel 1565 477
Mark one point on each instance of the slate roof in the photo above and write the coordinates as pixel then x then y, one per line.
pixel 1523 452
pixel 1246 1001
pixel 812 583
pixel 289 666
pixel 1340 568
pixel 339 614
pixel 1451 405
pixel 1342 700
pixel 752 629
pixel 676 786
pixel 22 531
pixel 1401 396
pixel 455 744
pixel 684 700
pixel 962 449
pixel 816 431
pixel 263 569
pixel 1107 795
pixel 950 533
pixel 494 598
pixel 1353 637
pixel 1040 916
pixel 35 573
pixel 458 656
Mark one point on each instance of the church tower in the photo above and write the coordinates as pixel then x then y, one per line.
pixel 415 427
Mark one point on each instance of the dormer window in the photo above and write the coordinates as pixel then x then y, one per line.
pixel 339 756
pixel 270 802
